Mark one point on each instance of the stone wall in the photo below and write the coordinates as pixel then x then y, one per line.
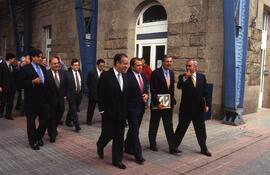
pixel 60 15
pixel 195 29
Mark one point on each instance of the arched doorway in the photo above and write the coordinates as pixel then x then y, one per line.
pixel 151 34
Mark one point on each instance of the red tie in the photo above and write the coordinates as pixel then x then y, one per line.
pixel 140 83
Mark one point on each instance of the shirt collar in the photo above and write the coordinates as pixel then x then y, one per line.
pixel 116 72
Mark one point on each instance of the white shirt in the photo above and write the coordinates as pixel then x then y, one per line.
pixel 98 72
pixel 120 79
pixel 79 77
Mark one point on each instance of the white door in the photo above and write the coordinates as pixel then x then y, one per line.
pixel 263 56
pixel 152 53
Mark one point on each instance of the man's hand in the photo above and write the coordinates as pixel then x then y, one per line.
pixel 145 97
pixel 188 74
pixel 160 106
pixel 1 89
pixel 206 109
pixel 36 81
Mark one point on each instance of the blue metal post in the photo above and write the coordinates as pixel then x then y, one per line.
pixel 87 46
pixel 27 26
pixel 235 53
pixel 12 7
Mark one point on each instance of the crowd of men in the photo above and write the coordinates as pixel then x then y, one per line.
pixel 122 94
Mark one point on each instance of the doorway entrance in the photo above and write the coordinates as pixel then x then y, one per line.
pixel 151 35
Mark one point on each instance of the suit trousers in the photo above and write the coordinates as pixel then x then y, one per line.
pixel 132 142
pixel 35 133
pixel 73 103
pixel 56 113
pixel 199 127
pixel 7 102
pixel 90 111
pixel 166 116
pixel 113 130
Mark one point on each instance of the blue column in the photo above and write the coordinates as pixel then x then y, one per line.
pixel 236 14
pixel 87 45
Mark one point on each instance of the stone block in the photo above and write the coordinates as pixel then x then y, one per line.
pixel 174 29
pixel 188 52
pixel 197 40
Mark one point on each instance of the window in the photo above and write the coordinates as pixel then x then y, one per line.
pixel 154 14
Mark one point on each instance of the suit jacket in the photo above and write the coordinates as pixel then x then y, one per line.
pixel 92 84
pixel 35 95
pixel 111 99
pixel 193 99
pixel 70 83
pixel 135 100
pixel 7 78
pixel 158 85
pixel 56 95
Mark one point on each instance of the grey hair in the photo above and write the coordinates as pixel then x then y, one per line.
pixel 194 61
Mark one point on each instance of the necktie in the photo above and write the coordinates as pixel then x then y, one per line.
pixel 193 80
pixel 119 81
pixel 140 83
pixel 10 68
pixel 167 78
pixel 78 87
pixel 40 74
pixel 56 80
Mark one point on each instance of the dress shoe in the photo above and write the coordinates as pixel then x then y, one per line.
pixel 206 152
pixel 77 128
pixel 100 152
pixel 69 124
pixel 52 140
pixel 89 123
pixel 140 161
pixel 153 147
pixel 40 142
pixel 34 146
pixel 61 123
pixel 120 165
pixel 176 150
pixel 9 118
pixel 1 116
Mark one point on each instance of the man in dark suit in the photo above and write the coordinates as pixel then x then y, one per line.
pixel 8 74
pixel 112 101
pixel 137 97
pixel 33 81
pixel 92 84
pixel 194 103
pixel 74 93
pixel 56 87
pixel 162 82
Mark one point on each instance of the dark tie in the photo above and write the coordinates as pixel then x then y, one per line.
pixel 56 80
pixel 78 87
pixel 140 83
pixel 10 68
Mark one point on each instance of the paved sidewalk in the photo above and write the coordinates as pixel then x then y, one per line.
pixel 236 150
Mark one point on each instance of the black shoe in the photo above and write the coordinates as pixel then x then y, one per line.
pixel 40 142
pixel 120 165
pixel 34 146
pixel 52 140
pixel 9 118
pixel 89 123
pixel 153 147
pixel 77 128
pixel 140 161
pixel 69 124
pixel 61 123
pixel 206 152
pixel 176 150
pixel 1 116
pixel 100 152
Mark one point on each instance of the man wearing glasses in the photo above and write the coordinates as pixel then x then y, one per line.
pixel 194 103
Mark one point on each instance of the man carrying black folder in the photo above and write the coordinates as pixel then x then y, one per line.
pixel 162 86
pixel 194 103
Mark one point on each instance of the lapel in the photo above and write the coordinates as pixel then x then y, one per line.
pixel 33 71
pixel 114 80
pixel 50 74
pixel 134 79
